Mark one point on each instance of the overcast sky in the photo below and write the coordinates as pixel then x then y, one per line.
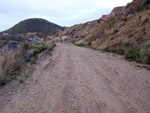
pixel 61 12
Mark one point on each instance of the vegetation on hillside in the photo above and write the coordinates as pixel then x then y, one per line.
pixel 126 31
pixel 12 62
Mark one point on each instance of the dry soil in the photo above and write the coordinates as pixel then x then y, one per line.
pixel 80 80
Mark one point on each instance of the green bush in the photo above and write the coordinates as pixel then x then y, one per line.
pixel 127 44
pixel 117 50
pixel 81 45
pixel 120 51
pixel 94 48
pixel 147 46
pixel 34 60
pixel 36 51
pixel 25 46
pixel 144 57
pixel 110 49
pixel 133 53
pixel 107 49
pixel 139 55
pixel 21 80
pixel 42 48
pixel 116 31
pixel 17 66
pixel 14 77
pixel 26 76
pixel 148 57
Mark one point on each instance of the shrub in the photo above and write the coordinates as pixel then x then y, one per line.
pixel 34 60
pixel 125 19
pixel 107 49
pixel 14 77
pixel 25 46
pixel 42 48
pixel 116 31
pixel 133 53
pixel 26 76
pixel 51 46
pixel 7 63
pixel 21 80
pixel 94 48
pixel 36 51
pixel 8 66
pixel 17 66
pixel 144 56
pixel 117 50
pixel 120 51
pixel 81 45
pixel 147 46
pixel 110 49
pixel 148 57
pixel 31 70
pixel 127 44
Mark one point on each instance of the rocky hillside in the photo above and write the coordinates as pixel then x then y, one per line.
pixel 128 24
pixel 34 25
pixel 76 32
pixel 125 31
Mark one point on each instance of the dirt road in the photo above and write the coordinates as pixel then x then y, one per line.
pixel 80 80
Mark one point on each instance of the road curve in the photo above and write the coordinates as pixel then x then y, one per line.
pixel 80 80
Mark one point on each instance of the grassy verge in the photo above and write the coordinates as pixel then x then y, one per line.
pixel 117 50
pixel 83 45
pixel 131 53
pixel 140 55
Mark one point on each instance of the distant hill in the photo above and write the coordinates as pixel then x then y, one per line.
pixel 34 25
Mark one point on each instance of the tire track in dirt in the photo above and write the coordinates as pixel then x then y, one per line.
pixel 80 80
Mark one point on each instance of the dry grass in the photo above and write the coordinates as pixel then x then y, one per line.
pixel 11 62
pixel 7 63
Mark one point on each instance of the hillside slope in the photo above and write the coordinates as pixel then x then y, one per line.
pixel 35 25
pixel 77 32
pixel 125 31
pixel 131 24
pixel 128 24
